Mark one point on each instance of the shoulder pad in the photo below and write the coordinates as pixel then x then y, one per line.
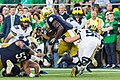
pixel 16 27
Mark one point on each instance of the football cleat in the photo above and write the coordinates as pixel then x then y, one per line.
pixel 43 72
pixel 22 74
pixel 88 69
pixel 59 61
pixel 74 72
pixel 65 57
pixel 113 66
pixel 9 66
pixel 94 62
pixel 4 74
pixel 36 75
pixel 81 70
pixel 46 61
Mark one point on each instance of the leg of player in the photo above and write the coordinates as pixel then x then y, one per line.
pixel 77 70
pixel 14 72
pixel 74 60
pixel 9 66
pixel 66 57
pixel 31 64
pixel 80 67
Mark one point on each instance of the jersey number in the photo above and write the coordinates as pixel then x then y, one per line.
pixel 92 33
pixel 21 57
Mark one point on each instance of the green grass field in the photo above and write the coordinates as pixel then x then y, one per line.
pixel 64 74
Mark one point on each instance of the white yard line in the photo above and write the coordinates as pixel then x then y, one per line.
pixel 68 69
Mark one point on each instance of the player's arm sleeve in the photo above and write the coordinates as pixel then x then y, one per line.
pixel 25 47
pixel 13 31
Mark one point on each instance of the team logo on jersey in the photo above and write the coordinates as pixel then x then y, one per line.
pixel 51 19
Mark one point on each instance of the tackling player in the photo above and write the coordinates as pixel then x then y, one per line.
pixel 19 52
pixel 89 43
pixel 21 32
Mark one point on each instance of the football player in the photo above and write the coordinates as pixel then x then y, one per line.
pixel 78 18
pixel 57 28
pixel 89 43
pixel 21 31
pixel 19 52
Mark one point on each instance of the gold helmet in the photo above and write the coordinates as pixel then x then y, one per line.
pixel 25 18
pixel 46 11
pixel 77 11
pixel 33 42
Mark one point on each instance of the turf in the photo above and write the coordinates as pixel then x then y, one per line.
pixel 64 74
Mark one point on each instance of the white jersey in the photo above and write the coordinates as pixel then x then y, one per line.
pixel 86 33
pixel 90 41
pixel 75 24
pixel 17 32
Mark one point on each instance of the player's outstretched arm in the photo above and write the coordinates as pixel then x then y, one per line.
pixel 72 39
pixel 27 49
pixel 8 38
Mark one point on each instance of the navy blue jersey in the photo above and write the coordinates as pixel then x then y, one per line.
pixel 54 22
pixel 13 53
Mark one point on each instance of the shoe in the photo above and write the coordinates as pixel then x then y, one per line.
pixel 81 69
pixel 94 62
pixel 108 66
pixel 22 74
pixel 47 58
pixel 46 61
pixel 65 57
pixel 9 66
pixel 43 72
pixel 36 75
pixel 74 72
pixel 88 69
pixel 113 66
pixel 4 74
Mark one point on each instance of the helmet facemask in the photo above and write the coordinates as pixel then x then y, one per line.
pixel 25 21
pixel 77 12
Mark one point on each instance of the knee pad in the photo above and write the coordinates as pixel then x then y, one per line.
pixel 86 61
